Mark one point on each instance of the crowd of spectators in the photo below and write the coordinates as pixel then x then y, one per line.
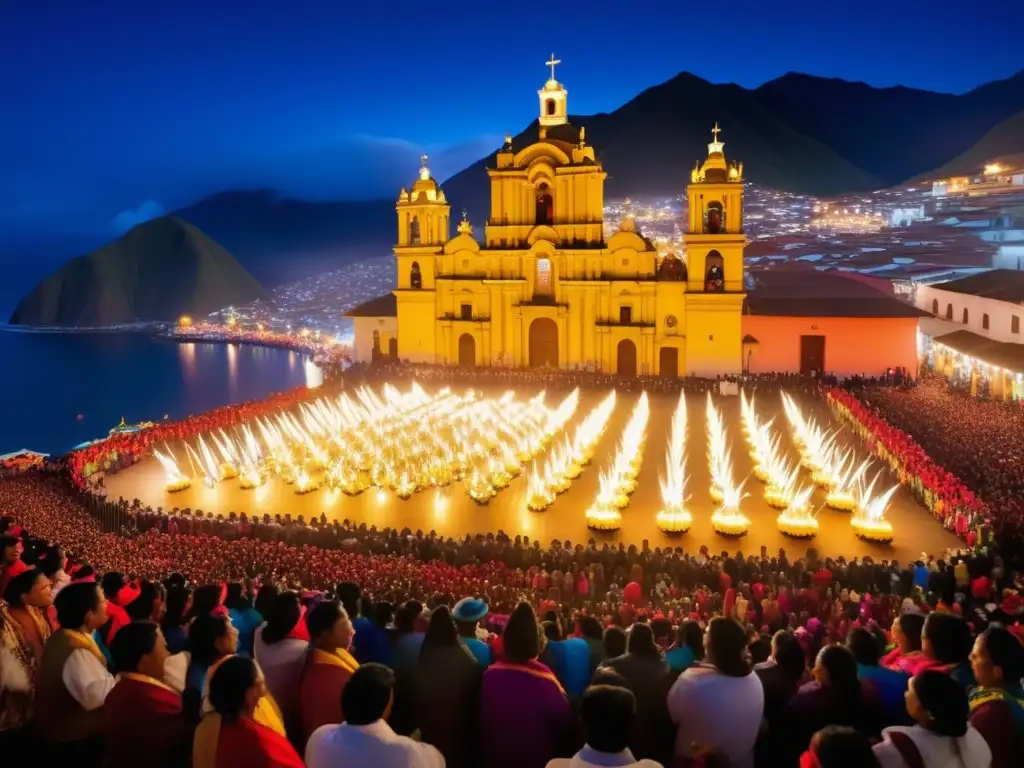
pixel 172 639
pixel 492 650
pixel 979 442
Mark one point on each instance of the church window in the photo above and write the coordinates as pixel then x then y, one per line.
pixel 1015 324
pixel 935 306
pixel 465 265
pixel 625 315
pixel 984 322
pixel 549 107
pixel 414 231
pixel 415 278
pixel 714 278
pixel 949 311
pixel 625 262
pixel 714 219
pixel 375 352
pixel 543 283
pixel 965 316
pixel 545 206
pixel 670 321
pixel 466 311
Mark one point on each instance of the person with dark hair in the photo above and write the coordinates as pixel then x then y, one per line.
pixel 837 746
pixel 997 703
pixel 946 647
pixel 210 638
pixel 836 696
pixel 718 704
pixel 609 715
pixel 593 636
pixel 119 594
pixel 688 648
pixel 242 614
pixel 780 682
pixel 889 685
pixel 614 642
pixel 11 563
pixel 365 738
pixel 281 648
pixel 173 625
pixel 906 633
pixel 351 597
pixel 150 604
pixel 329 666
pixel 232 734
pixel 646 674
pixel 568 658
pixel 446 687
pixel 143 723
pixel 24 630
pixel 525 713
pixel 73 680
pixel 941 736
pixel 410 629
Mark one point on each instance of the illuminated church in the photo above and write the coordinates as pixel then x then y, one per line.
pixel 545 288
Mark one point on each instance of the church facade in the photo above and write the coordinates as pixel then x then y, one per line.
pixel 545 288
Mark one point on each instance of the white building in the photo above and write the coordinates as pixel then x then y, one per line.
pixel 375 324
pixel 989 304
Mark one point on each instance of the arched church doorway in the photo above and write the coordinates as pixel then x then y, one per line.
pixel 414 231
pixel 543 343
pixel 415 276
pixel 545 206
pixel 393 347
pixel 626 365
pixel 467 350
pixel 668 362
pixel 714 277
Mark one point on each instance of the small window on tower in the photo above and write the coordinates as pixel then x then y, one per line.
pixel 414 231
pixel 549 107
pixel 467 311
pixel 415 278
pixel 543 283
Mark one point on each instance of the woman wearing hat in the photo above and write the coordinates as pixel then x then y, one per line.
pixel 468 613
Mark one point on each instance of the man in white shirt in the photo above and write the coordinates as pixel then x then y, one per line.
pixel 609 713
pixel 73 677
pixel 366 738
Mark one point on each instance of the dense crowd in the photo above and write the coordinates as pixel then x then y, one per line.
pixel 979 442
pixel 490 650
pixel 176 639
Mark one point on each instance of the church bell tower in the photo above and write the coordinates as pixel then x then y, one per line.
pixel 714 241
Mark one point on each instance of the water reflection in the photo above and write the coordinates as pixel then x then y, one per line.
pixel 232 370
pixel 187 353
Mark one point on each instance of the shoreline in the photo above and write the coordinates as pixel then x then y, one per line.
pixel 151 328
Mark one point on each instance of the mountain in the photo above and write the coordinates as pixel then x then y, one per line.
pixel 894 133
pixel 281 239
pixel 797 133
pixel 159 270
pixel 1004 143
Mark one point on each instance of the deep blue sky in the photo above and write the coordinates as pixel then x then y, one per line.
pixel 107 106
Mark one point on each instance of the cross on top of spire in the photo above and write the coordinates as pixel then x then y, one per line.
pixel 424 171
pixel 715 131
pixel 551 63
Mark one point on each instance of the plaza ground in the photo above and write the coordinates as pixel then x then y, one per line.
pixel 452 513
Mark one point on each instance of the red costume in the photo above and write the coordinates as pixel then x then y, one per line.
pixel 143 723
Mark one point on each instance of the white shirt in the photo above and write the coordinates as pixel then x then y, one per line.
pixel 87 679
pixel 374 745
pixel 623 759
pixel 715 710
pixel 972 751
pixel 282 664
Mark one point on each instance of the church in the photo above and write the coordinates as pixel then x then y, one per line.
pixel 545 287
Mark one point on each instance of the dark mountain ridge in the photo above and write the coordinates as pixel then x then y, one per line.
pixel 158 271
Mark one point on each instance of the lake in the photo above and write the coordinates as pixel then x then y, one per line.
pixel 58 390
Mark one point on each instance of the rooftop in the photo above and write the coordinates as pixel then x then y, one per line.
pixel 382 306
pixel 810 293
pixel 1000 353
pixel 998 284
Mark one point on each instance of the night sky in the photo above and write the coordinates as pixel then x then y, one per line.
pixel 113 110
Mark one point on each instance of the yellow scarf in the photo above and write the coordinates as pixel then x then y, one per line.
pixel 81 641
pixel 148 681
pixel 340 658
pixel 267 712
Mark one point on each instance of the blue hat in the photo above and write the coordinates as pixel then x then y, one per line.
pixel 469 609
